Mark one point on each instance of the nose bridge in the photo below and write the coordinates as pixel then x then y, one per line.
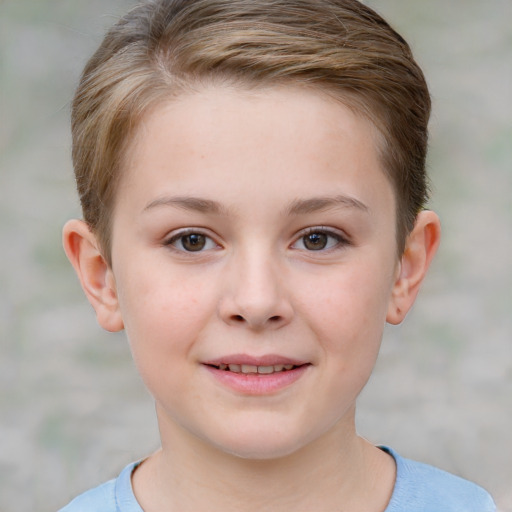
pixel 255 294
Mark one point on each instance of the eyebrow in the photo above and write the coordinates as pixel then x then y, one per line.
pixel 316 204
pixel 297 207
pixel 187 203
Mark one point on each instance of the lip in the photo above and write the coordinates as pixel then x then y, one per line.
pixel 255 384
pixel 265 360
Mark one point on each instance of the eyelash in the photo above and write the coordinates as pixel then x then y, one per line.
pixel 181 236
pixel 209 243
pixel 340 240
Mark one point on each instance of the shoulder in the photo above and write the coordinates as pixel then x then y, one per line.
pixel 99 498
pixel 423 488
pixel 113 496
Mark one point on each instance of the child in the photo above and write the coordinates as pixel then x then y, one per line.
pixel 252 178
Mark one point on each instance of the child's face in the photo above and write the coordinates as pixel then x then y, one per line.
pixel 254 229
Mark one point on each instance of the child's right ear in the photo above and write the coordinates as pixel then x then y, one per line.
pixel 96 277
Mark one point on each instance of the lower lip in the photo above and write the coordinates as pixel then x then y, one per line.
pixel 257 383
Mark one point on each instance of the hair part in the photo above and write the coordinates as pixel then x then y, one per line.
pixel 162 48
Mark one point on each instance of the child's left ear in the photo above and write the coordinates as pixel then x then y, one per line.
pixel 420 248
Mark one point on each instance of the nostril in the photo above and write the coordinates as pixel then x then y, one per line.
pixel 272 320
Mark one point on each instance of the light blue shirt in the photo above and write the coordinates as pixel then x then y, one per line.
pixel 418 488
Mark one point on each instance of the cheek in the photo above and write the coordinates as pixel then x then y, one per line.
pixel 347 310
pixel 164 315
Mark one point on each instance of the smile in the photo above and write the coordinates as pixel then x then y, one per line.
pixel 254 369
pixel 256 376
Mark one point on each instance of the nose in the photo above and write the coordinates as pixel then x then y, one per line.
pixel 255 295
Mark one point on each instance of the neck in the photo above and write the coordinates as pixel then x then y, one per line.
pixel 340 468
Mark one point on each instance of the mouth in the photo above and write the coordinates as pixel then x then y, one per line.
pixel 247 375
pixel 248 369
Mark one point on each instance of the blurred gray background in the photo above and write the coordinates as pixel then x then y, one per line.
pixel 73 411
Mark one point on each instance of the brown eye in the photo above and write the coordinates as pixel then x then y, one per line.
pixel 315 241
pixel 191 241
pixel 321 239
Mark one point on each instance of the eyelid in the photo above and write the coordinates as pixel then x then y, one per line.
pixel 175 235
pixel 342 238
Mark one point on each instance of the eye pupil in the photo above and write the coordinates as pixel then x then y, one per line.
pixel 193 242
pixel 315 241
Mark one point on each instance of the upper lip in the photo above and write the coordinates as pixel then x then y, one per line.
pixel 265 360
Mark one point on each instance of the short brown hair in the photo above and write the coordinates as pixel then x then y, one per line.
pixel 163 46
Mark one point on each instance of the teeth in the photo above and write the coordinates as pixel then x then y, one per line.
pixel 250 368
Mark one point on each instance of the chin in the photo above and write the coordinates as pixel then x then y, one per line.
pixel 261 444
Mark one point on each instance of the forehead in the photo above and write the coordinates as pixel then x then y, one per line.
pixel 284 136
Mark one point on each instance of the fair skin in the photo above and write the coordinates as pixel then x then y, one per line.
pixel 255 228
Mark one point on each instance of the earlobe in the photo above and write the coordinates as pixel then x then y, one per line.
pixel 95 275
pixel 420 248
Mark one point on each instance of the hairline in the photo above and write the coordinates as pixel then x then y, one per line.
pixel 191 85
